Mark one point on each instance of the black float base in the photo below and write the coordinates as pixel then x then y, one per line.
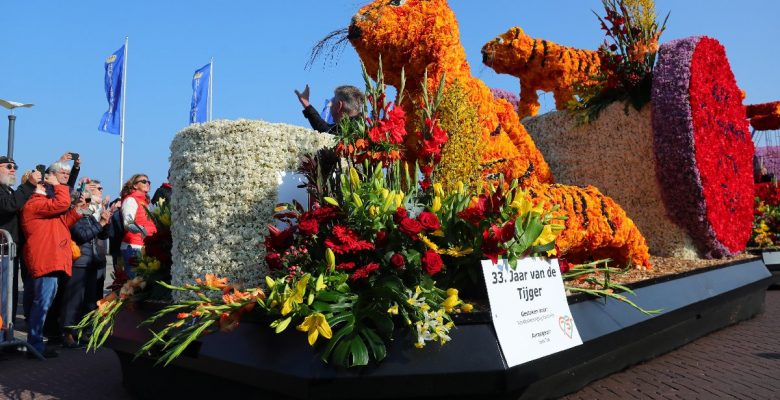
pixel 772 262
pixel 254 361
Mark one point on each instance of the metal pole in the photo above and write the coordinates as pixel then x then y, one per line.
pixel 211 86
pixel 11 123
pixel 122 125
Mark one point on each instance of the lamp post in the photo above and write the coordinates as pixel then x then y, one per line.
pixel 12 122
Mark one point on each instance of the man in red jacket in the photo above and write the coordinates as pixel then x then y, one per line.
pixel 46 222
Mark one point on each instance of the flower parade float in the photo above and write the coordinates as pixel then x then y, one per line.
pixel 372 286
pixel 664 162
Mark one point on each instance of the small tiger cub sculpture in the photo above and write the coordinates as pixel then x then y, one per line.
pixel 540 65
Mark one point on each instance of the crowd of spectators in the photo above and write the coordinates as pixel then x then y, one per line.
pixel 62 227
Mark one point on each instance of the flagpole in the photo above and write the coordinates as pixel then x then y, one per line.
pixel 211 87
pixel 122 125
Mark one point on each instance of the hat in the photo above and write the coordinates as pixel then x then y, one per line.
pixel 6 159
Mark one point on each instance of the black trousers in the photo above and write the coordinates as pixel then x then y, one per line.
pixel 77 294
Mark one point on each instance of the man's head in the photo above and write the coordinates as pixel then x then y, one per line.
pixel 7 171
pixel 61 171
pixel 347 101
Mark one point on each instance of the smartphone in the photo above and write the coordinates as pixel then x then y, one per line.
pixel 74 156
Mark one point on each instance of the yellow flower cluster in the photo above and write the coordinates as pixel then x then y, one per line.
pixel 419 35
pixel 459 118
pixel 541 65
pixel 596 228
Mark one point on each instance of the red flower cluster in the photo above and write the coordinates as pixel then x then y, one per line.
pixel 384 137
pixel 425 221
pixel 485 207
pixel 432 140
pixel 724 149
pixel 345 240
pixel 768 193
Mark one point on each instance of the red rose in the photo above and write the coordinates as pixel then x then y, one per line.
pixel 400 215
pixel 381 238
pixel 397 260
pixel 411 227
pixel 508 231
pixel 563 265
pixel 432 262
pixel 309 226
pixel 429 221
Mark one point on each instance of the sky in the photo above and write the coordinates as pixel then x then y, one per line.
pixel 53 54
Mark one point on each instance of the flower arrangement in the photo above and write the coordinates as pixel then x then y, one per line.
pixel 227 175
pixel 766 217
pixel 541 65
pixel 627 57
pixel 376 252
pixel 369 252
pixel 614 153
pixel 764 116
pixel 700 129
pixel 418 36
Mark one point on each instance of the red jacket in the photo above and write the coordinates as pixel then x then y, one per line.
pixel 46 222
pixel 141 219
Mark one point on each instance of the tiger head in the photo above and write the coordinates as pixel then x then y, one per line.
pixel 409 34
pixel 509 51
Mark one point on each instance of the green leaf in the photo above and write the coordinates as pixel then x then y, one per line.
pixel 345 330
pixel 359 352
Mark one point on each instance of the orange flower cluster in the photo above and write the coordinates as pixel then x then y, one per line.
pixel 597 227
pixel 541 65
pixel 764 116
pixel 419 35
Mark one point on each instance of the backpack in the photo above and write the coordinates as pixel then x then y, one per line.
pixel 116 232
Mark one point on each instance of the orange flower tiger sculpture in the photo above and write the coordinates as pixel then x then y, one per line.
pixel 423 34
pixel 540 65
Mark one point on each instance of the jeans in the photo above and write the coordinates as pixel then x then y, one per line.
pixel 37 305
pixel 130 254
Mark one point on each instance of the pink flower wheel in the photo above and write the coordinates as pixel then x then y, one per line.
pixel 702 145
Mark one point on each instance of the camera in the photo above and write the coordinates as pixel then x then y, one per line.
pixel 74 156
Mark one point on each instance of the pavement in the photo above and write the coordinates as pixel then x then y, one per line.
pixel 739 362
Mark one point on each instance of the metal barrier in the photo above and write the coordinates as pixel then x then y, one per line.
pixel 8 255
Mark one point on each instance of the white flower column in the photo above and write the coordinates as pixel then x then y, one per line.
pixel 225 176
pixel 615 154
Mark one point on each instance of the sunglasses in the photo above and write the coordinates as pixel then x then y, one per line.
pixel 143 181
pixel 100 188
pixel 11 166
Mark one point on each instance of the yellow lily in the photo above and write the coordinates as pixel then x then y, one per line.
pixel 438 189
pixel 314 325
pixel 523 205
pixel 353 176
pixel 296 297
pixel 436 206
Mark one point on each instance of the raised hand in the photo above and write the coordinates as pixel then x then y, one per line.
pixel 303 97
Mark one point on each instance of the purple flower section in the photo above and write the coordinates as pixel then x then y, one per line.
pixel 770 156
pixel 674 145
pixel 512 98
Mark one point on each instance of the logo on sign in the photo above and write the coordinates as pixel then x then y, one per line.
pixel 566 324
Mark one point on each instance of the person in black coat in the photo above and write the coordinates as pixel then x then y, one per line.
pixel 90 235
pixel 11 201
pixel 347 103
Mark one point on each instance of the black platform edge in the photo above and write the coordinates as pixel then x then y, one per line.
pixel 257 362
pixel 772 261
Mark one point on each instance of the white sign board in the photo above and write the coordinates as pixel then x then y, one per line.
pixel 529 307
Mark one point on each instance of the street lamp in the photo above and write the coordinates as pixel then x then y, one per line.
pixel 11 122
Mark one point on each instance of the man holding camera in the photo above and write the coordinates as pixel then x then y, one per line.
pixel 46 223
pixel 11 202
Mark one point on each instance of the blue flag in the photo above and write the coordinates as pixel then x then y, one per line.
pixel 112 119
pixel 325 113
pixel 200 94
